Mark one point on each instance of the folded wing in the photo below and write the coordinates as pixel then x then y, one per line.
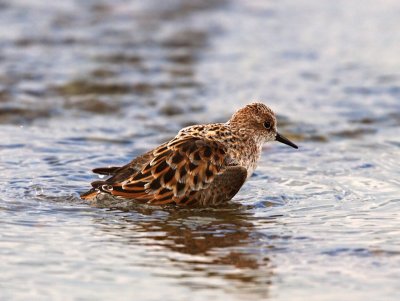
pixel 174 172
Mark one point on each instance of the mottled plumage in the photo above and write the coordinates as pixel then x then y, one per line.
pixel 203 165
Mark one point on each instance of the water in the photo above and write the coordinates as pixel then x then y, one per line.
pixel 92 83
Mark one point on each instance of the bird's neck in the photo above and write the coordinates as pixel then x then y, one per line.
pixel 245 148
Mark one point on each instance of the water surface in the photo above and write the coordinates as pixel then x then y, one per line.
pixel 91 83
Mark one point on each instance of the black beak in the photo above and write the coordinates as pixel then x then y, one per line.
pixel 284 140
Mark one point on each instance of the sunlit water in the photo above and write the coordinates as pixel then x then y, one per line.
pixel 88 83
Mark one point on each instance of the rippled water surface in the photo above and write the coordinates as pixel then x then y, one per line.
pixel 91 83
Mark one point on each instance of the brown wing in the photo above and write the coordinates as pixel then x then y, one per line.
pixel 171 173
pixel 118 173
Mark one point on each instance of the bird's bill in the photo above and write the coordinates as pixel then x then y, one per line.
pixel 284 140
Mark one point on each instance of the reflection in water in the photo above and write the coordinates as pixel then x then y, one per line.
pixel 206 246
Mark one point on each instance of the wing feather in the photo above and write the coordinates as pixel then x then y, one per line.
pixel 169 173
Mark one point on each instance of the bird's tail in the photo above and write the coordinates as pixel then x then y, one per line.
pixel 89 195
pixel 107 171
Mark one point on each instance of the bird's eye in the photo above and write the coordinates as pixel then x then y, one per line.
pixel 267 125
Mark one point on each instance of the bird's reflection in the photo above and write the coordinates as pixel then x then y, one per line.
pixel 213 244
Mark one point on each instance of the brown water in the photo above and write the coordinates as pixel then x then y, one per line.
pixel 91 83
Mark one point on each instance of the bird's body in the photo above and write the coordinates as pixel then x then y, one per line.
pixel 203 165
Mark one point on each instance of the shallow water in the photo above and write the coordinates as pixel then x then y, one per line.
pixel 86 84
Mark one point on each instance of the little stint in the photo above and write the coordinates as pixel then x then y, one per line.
pixel 203 165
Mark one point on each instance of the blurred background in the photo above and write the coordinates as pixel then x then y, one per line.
pixel 92 83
